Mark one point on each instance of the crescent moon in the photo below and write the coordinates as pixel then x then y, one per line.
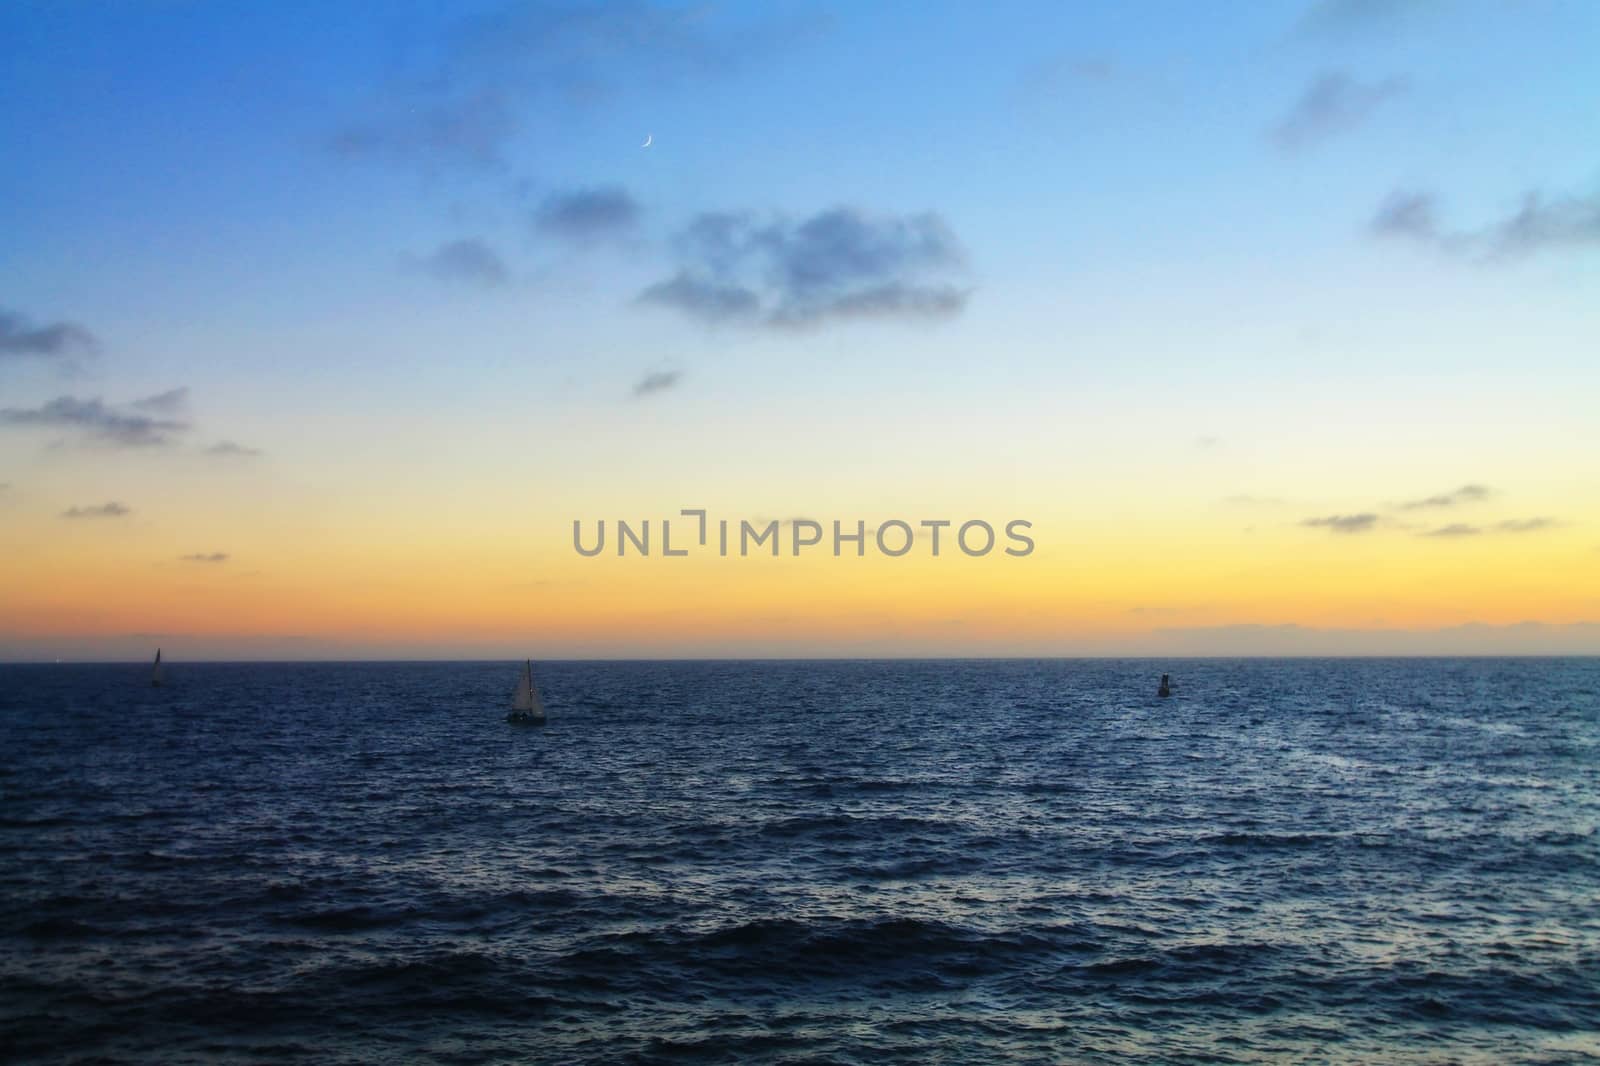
pixel 647 139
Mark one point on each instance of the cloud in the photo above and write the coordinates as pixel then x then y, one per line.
pixel 99 422
pixel 1332 104
pixel 587 216
pixel 465 107
pixel 658 381
pixel 469 260
pixel 204 557
pixel 1510 525
pixel 837 264
pixel 171 402
pixel 229 448
pixel 59 340
pixel 1407 214
pixel 1344 523
pixel 468 129
pixel 1473 638
pixel 1540 224
pixel 1344 17
pixel 1207 442
pixel 1465 494
pixel 701 298
pixel 1526 525
pixel 1065 70
pixel 112 509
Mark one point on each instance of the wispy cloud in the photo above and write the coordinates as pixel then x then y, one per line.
pixel 1343 523
pixel 702 298
pixel 468 260
pixel 1474 638
pixel 1540 224
pixel 837 264
pixel 112 509
pixel 95 420
pixel 1346 17
pixel 1332 104
pixel 1510 525
pixel 224 448
pixel 587 216
pixel 1526 525
pixel 204 557
pixel 171 402
pixel 58 340
pixel 659 381
pixel 1464 494
pixel 1062 71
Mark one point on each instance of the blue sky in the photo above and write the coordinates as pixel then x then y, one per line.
pixel 1116 253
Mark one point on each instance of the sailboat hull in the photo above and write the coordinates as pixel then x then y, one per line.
pixel 525 718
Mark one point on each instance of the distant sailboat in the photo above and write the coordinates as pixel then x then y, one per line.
pixel 1166 687
pixel 155 671
pixel 526 706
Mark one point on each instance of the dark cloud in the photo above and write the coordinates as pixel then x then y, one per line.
pixel 59 340
pixel 204 557
pixel 229 448
pixel 837 264
pixel 1454 529
pixel 659 381
pixel 1343 523
pixel 97 421
pixel 1540 224
pixel 468 102
pixel 469 260
pixel 1333 103
pixel 585 216
pixel 1465 494
pixel 112 509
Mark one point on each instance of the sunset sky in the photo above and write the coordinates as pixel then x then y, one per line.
pixel 320 324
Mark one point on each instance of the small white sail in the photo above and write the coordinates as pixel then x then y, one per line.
pixel 155 671
pixel 526 700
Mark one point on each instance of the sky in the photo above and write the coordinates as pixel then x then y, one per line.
pixel 322 324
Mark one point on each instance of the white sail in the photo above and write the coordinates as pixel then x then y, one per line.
pixel 527 699
pixel 155 671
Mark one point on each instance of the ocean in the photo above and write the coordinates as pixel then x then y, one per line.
pixel 781 862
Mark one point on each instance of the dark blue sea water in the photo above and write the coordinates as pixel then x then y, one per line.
pixel 865 862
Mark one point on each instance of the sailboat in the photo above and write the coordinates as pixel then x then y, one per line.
pixel 155 671
pixel 526 706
